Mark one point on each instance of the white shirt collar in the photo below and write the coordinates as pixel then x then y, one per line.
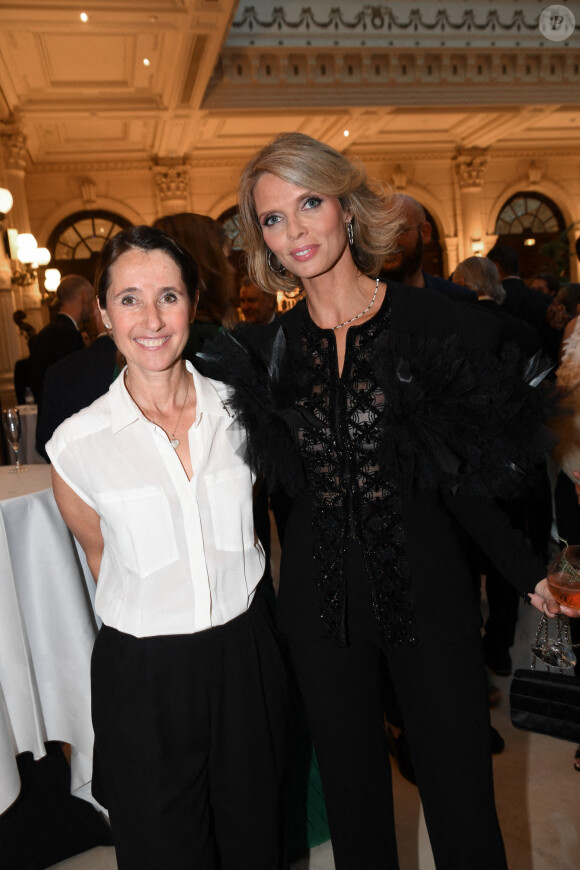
pixel 211 398
pixel 70 317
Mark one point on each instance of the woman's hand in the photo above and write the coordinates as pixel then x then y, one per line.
pixel 543 600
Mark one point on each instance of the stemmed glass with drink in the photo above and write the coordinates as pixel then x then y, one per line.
pixel 564 584
pixel 13 430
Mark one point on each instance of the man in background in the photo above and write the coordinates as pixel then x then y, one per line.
pixel 407 265
pixel 75 382
pixel 257 306
pixel 61 337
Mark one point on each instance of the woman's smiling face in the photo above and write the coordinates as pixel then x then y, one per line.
pixel 306 230
pixel 149 309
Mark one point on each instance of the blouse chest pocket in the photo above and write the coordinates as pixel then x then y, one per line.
pixel 230 501
pixel 140 526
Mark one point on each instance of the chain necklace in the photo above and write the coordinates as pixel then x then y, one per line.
pixel 172 439
pixel 368 308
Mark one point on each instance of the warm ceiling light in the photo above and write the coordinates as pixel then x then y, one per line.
pixel 347 132
pixel 146 61
pixel 84 17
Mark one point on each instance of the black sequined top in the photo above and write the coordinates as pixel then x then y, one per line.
pixel 350 497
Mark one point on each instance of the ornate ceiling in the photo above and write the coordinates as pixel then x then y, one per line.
pixel 224 78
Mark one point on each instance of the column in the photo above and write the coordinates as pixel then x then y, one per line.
pixel 470 168
pixel 12 347
pixel 13 149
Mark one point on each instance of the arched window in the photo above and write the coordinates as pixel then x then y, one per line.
pixel 528 222
pixel 76 242
pixel 529 211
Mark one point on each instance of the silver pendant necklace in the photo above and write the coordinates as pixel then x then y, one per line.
pixel 172 439
pixel 368 308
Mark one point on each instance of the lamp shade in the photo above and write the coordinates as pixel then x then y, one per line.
pixel 26 247
pixel 42 256
pixel 6 200
pixel 51 279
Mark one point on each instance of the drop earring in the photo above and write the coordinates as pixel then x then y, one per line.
pixel 350 233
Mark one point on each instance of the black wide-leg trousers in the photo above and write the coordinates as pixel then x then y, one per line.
pixel 442 693
pixel 188 746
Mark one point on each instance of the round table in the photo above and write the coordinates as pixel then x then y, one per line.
pixel 47 631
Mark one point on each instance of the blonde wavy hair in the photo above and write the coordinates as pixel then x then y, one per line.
pixel 308 163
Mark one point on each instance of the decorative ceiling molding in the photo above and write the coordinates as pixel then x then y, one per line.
pixel 254 77
pixel 68 167
pixel 265 23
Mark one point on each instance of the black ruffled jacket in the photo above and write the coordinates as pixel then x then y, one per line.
pixel 428 421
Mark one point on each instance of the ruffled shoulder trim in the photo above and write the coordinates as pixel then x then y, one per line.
pixel 254 362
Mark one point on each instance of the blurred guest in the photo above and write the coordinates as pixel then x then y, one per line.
pixel 545 282
pixel 22 373
pixel 257 305
pixel 481 275
pixel 521 300
pixel 75 382
pixel 26 329
pixel 206 241
pixel 406 264
pixel 563 310
pixel 61 337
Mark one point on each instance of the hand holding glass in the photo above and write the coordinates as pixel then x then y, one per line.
pixel 13 430
pixel 564 584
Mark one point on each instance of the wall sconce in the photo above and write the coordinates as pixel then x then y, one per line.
pixel 31 257
pixel 529 239
pixel 477 247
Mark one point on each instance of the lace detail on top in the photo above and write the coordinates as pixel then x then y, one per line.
pixel 349 496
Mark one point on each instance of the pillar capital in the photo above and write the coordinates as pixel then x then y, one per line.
pixel 471 167
pixel 172 182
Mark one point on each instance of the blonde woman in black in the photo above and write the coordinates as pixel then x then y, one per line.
pixel 384 411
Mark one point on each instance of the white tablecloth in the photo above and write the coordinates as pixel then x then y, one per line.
pixel 47 631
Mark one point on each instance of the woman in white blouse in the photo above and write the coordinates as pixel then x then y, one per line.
pixel 188 689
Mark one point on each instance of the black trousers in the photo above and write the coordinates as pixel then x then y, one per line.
pixel 442 694
pixel 188 746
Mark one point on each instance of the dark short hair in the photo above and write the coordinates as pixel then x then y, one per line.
pixel 505 258
pixel 550 280
pixel 569 297
pixel 144 239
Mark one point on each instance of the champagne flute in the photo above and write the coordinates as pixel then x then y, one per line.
pixel 564 584
pixel 13 430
